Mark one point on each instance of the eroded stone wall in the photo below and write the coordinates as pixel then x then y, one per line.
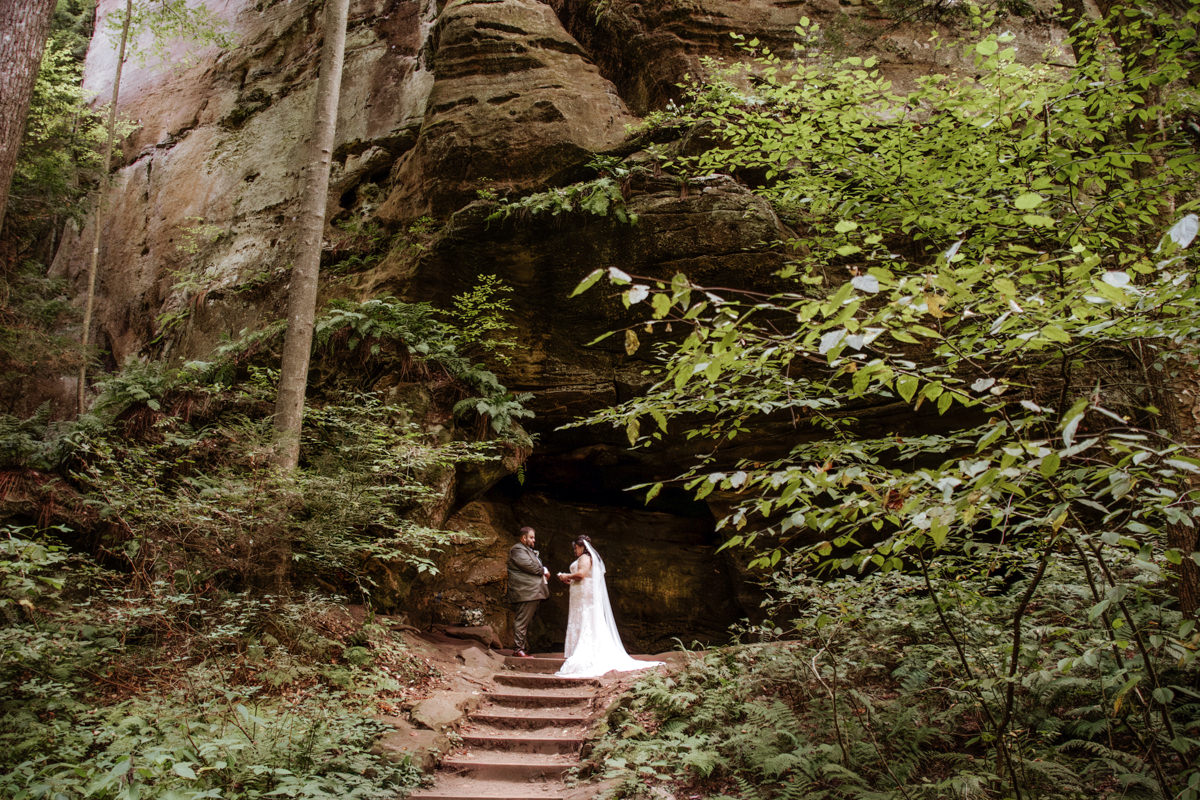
pixel 444 101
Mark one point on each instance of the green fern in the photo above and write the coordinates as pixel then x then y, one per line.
pixel 702 760
pixel 747 790
pixel 36 442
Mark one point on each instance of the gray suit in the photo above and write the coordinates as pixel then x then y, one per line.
pixel 526 589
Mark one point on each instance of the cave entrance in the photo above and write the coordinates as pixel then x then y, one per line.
pixel 665 579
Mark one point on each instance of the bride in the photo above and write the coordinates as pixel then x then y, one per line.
pixel 593 645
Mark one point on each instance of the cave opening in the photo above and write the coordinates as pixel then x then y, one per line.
pixel 667 583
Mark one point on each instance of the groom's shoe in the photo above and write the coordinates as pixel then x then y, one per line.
pixel 522 654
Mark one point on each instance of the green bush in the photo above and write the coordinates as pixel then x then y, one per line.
pixel 111 690
pixel 870 700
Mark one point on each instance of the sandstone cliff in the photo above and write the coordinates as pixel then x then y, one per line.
pixel 444 101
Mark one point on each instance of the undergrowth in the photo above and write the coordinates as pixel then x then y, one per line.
pixel 111 690
pixel 870 701
pixel 173 618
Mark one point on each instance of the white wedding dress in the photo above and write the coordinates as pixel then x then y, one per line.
pixel 593 646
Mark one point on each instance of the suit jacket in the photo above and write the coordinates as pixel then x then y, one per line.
pixel 525 576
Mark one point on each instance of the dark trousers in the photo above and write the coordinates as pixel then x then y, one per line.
pixel 524 615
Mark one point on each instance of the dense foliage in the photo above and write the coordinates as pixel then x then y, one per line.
pixel 172 617
pixel 113 690
pixel 865 700
pixel 58 163
pixel 178 619
pixel 59 158
pixel 1005 260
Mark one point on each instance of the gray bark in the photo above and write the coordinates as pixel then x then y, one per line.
pixel 302 293
pixel 24 25
pixel 94 266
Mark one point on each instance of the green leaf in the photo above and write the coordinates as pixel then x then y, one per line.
pixel 732 541
pixel 662 305
pixel 183 770
pixel 588 282
pixel 944 402
pixel 619 277
pixel 921 330
pixel 634 295
pixel 1072 419
pixel 1055 334
pixel 938 531
pixel 988 47
pixel 1049 465
pixel 1029 200
pixel 906 387
pixel 1164 695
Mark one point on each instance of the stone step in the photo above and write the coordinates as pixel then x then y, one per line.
pixel 495 765
pixel 457 787
pixel 539 663
pixel 533 680
pixel 515 743
pixel 545 699
pixel 526 720
pixel 516 792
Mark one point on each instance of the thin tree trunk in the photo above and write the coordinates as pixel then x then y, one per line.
pixel 24 25
pixel 1176 389
pixel 102 192
pixel 1176 392
pixel 302 293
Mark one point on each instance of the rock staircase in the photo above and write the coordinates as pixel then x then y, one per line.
pixel 522 739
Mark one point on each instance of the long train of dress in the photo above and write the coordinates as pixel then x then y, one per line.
pixel 593 646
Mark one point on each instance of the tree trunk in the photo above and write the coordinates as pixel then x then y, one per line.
pixel 1178 397
pixel 1176 389
pixel 101 193
pixel 302 293
pixel 24 25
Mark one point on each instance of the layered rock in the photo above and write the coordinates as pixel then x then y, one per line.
pixel 201 209
pixel 515 105
pixel 647 48
pixel 717 233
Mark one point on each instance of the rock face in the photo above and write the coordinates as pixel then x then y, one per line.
pixel 514 105
pixel 646 48
pixel 445 101
pixel 663 578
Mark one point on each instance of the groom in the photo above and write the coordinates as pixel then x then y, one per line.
pixel 527 587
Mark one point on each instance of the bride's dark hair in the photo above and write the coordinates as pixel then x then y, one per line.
pixel 581 539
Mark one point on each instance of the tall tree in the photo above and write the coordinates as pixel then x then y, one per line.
pixel 166 21
pixel 302 293
pixel 24 25
pixel 990 250
pixel 93 265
